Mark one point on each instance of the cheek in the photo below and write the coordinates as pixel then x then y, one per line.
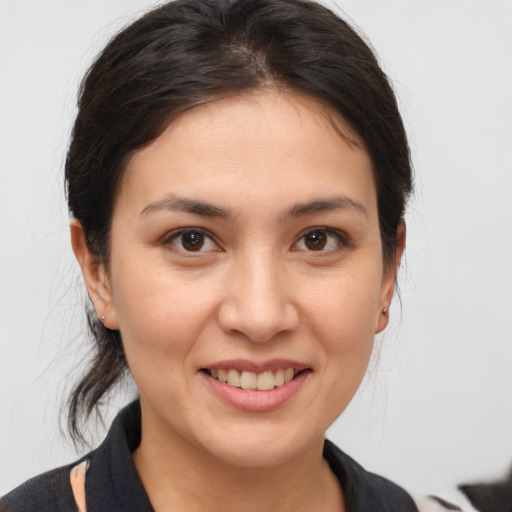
pixel 159 312
pixel 343 317
pixel 347 334
pixel 347 303
pixel 160 328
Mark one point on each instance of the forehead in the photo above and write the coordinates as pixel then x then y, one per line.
pixel 272 145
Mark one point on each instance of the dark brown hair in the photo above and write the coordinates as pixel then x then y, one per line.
pixel 188 52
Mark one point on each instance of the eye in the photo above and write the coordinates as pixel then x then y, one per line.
pixel 320 240
pixel 191 240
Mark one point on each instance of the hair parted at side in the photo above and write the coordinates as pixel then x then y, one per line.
pixel 188 52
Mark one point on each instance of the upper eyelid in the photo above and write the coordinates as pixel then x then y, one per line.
pixel 344 239
pixel 180 231
pixel 326 229
pixel 172 235
pixel 341 237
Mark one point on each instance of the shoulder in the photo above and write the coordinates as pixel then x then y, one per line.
pixel 111 481
pixel 49 491
pixel 365 491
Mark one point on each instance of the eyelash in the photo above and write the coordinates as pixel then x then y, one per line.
pixel 175 235
pixel 341 239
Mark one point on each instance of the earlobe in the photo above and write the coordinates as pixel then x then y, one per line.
pixel 95 277
pixel 382 320
pixel 389 280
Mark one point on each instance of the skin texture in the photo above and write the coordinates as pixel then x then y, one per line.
pixel 258 290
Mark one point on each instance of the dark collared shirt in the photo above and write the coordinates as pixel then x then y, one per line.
pixel 113 485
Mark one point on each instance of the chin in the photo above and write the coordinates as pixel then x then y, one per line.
pixel 252 456
pixel 261 446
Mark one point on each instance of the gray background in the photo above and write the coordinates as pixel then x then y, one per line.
pixel 435 408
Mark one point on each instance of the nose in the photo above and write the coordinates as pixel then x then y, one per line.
pixel 258 300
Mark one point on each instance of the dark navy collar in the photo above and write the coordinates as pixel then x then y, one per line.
pixel 113 484
pixel 365 491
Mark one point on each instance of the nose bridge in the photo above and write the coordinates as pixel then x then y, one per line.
pixel 257 300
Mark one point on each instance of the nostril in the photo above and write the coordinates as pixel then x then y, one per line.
pixel 255 325
pixel 258 309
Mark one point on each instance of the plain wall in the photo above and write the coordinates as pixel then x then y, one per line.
pixel 435 408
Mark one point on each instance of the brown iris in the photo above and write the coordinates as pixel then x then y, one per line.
pixel 316 240
pixel 192 241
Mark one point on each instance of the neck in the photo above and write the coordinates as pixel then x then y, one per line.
pixel 179 476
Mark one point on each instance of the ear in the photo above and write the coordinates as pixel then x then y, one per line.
pixel 95 277
pixel 389 280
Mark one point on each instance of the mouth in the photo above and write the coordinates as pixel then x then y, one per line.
pixel 260 381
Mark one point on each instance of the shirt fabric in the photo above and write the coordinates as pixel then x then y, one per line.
pixel 113 485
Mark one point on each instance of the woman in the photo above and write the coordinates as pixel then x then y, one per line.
pixel 237 177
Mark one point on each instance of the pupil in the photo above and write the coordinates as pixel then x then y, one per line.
pixel 193 241
pixel 316 241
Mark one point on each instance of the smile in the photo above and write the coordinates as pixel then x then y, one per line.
pixel 262 381
pixel 256 387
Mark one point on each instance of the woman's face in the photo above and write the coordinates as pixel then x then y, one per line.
pixel 245 246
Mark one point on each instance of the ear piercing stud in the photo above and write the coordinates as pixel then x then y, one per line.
pixel 385 310
pixel 103 318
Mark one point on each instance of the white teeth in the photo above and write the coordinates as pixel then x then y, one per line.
pixel 288 374
pixel 264 381
pixel 279 378
pixel 233 378
pixel 248 380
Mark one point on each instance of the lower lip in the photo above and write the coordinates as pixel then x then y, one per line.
pixel 254 400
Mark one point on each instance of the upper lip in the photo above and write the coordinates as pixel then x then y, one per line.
pixel 256 367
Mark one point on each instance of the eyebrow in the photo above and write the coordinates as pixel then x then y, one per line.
pixel 176 203
pixel 323 205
